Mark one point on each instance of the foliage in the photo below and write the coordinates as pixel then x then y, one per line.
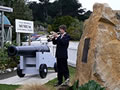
pixel 46 10
pixel 49 28
pixel 84 16
pixel 75 27
pixel 75 30
pixel 5 60
pixel 49 14
pixel 20 11
pixel 91 85
pixel 68 12
pixel 70 7
pixel 67 20
pixel 37 11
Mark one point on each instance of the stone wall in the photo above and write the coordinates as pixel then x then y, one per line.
pixel 99 59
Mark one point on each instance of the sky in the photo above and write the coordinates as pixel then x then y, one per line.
pixel 88 4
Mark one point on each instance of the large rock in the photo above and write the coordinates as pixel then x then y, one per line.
pixel 102 62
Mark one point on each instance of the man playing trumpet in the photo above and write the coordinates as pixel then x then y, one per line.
pixel 62 42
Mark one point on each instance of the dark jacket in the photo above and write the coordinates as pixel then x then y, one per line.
pixel 62 45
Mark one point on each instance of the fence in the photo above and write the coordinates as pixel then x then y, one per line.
pixel 72 50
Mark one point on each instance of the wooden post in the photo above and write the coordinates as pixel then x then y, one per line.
pixel 29 43
pixel 18 39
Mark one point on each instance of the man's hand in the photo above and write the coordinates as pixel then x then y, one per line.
pixel 55 35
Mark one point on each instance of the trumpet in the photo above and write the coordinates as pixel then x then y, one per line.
pixel 52 34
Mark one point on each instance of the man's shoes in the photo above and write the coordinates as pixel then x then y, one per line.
pixel 66 83
pixel 57 84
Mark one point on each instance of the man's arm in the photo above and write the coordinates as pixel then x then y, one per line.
pixel 54 41
pixel 64 41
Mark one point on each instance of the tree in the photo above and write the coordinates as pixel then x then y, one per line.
pixel 21 11
pixel 54 9
pixel 75 30
pixel 84 16
pixel 38 11
pixel 67 20
pixel 70 7
pixel 74 26
pixel 45 9
pixel 45 5
pixel 65 7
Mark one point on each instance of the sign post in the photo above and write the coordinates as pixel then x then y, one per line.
pixel 18 39
pixel 23 26
pixel 2 23
pixel 29 39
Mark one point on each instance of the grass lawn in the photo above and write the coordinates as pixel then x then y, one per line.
pixel 8 87
pixel 49 85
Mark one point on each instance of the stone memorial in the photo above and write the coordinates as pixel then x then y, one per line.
pixel 98 56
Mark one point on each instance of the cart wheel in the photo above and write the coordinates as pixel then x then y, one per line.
pixel 43 70
pixel 19 72
pixel 55 67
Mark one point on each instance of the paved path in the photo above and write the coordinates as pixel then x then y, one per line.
pixel 15 80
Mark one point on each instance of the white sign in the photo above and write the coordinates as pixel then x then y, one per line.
pixel 23 26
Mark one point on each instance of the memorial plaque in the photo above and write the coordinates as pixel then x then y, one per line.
pixel 85 50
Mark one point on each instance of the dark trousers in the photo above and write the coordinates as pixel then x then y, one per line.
pixel 63 70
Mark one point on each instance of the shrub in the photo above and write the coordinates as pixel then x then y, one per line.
pixel 5 60
pixel 67 20
pixel 49 28
pixel 91 85
pixel 75 30
pixel 74 26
